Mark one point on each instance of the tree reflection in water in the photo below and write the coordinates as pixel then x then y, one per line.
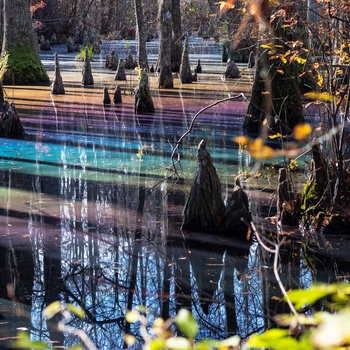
pixel 88 218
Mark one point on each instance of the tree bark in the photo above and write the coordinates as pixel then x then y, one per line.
pixel 20 62
pixel 185 68
pixel 141 36
pixel 204 207
pixel 276 93
pixel 165 36
pixel 176 47
pixel 1 22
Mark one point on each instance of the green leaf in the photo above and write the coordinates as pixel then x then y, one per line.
pixel 304 297
pixel 76 310
pixel 178 343
pixel 53 309
pixel 186 323
pixel 277 339
pixel 23 342
pixel 157 344
pixel 207 344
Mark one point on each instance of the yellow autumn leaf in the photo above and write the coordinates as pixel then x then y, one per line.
pixel 300 60
pixel 52 309
pixel 302 131
pixel 263 46
pixel 265 93
pixel 283 59
pixel 323 96
pixel 280 71
pixel 264 122
pixel 276 136
pixel 319 80
pixel 242 140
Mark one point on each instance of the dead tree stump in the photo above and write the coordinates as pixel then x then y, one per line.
pixel 130 62
pixel 57 87
pixel 112 61
pixel 87 73
pixel 204 207
pixel 237 215
pixel 205 210
pixel 143 98
pixel 199 67
pixel 185 67
pixel 44 44
pixel 106 97
pixel 10 124
pixel 232 71
pixel 120 73
pixel 70 45
pixel 117 97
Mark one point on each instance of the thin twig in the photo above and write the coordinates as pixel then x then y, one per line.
pixel 189 130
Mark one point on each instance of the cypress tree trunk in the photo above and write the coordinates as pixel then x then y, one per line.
pixel 276 94
pixel 1 22
pixel 165 37
pixel 176 47
pixel 20 62
pixel 141 36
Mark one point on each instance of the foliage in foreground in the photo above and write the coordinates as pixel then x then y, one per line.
pixel 308 329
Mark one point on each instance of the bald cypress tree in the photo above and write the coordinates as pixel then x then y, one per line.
pixel 20 61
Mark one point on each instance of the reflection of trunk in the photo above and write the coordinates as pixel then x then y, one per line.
pixel 137 244
pixel 182 277
pixel 53 289
pixel 230 304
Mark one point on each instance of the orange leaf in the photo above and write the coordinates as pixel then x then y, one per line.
pixel 242 140
pixel 302 131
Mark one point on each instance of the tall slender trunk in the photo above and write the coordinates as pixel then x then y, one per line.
pixel 165 37
pixel 141 35
pixel 176 48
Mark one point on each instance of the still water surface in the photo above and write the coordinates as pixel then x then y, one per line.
pixel 91 208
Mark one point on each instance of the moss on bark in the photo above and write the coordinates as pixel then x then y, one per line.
pixel 22 66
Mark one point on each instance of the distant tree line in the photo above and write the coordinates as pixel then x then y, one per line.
pixel 111 19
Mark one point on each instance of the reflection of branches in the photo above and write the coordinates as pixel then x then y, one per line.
pixel 275 251
pixel 189 130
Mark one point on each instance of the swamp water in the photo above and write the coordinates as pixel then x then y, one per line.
pixel 91 210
